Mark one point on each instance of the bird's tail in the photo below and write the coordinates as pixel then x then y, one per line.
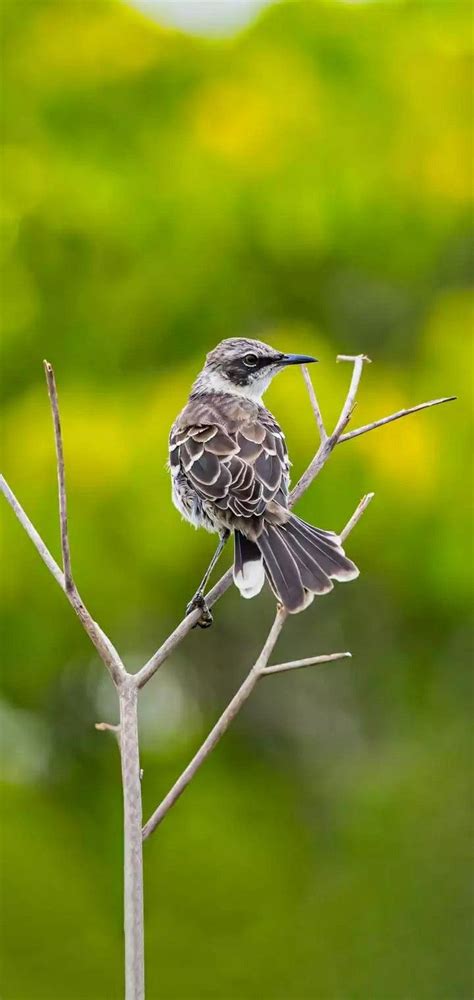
pixel 298 560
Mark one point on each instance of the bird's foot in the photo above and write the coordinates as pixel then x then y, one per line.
pixel 199 602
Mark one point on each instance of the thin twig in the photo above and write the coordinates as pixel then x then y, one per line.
pixel 102 643
pixel 53 397
pixel 393 416
pixel 127 732
pixel 182 629
pixel 100 640
pixel 329 443
pixel 32 533
pixel 220 727
pixel 353 357
pixel 238 700
pixel 128 685
pixel 314 403
pixel 310 661
pixel 361 507
pixel 358 361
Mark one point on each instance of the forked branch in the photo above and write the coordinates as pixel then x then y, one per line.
pixel 102 643
pixel 128 685
pixel 259 669
pixel 315 404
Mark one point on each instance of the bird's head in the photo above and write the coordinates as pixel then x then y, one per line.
pixel 244 367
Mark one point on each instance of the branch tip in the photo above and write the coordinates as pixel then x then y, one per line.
pixel 393 416
pixel 309 661
pixel 353 357
pixel 314 403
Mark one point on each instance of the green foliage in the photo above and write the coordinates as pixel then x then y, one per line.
pixel 307 182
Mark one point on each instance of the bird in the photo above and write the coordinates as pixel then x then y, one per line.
pixel 230 474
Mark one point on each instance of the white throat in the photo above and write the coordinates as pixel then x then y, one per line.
pixel 215 382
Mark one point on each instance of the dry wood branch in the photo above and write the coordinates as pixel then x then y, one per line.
pixel 106 727
pixel 257 671
pixel 361 507
pixel 314 403
pixel 102 643
pixel 329 443
pixel 53 397
pixel 394 416
pixel 32 533
pixel 128 685
pixel 310 661
pixel 127 689
pixel 220 727
pixel 358 361
pixel 133 850
pixel 100 640
pixel 353 357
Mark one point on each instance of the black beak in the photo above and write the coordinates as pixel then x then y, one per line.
pixel 297 359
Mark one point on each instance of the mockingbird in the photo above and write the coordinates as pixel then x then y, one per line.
pixel 230 474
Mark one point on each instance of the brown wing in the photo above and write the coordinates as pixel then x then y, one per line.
pixel 240 470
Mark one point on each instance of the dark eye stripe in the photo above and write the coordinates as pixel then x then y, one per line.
pixel 241 369
pixel 263 362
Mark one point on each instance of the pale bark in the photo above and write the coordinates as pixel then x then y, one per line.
pixel 128 685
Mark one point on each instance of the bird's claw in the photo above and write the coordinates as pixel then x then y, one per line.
pixel 199 602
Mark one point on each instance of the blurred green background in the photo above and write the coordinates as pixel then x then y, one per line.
pixel 305 180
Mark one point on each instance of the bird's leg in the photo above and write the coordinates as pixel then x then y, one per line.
pixel 198 601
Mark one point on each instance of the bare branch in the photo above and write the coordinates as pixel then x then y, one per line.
pixel 393 416
pixel 239 699
pixel 358 361
pixel 128 686
pixel 312 471
pixel 133 848
pixel 329 443
pixel 33 534
pixel 353 357
pixel 314 403
pixel 220 727
pixel 104 647
pixel 310 661
pixel 53 396
pixel 146 672
pixel 106 727
pixel 102 643
pixel 360 509
pixel 315 466
pixel 127 732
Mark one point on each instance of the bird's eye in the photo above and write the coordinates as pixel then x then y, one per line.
pixel 251 360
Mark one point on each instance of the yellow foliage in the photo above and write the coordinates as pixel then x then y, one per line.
pixel 404 453
pixel 86 42
pixel 249 119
